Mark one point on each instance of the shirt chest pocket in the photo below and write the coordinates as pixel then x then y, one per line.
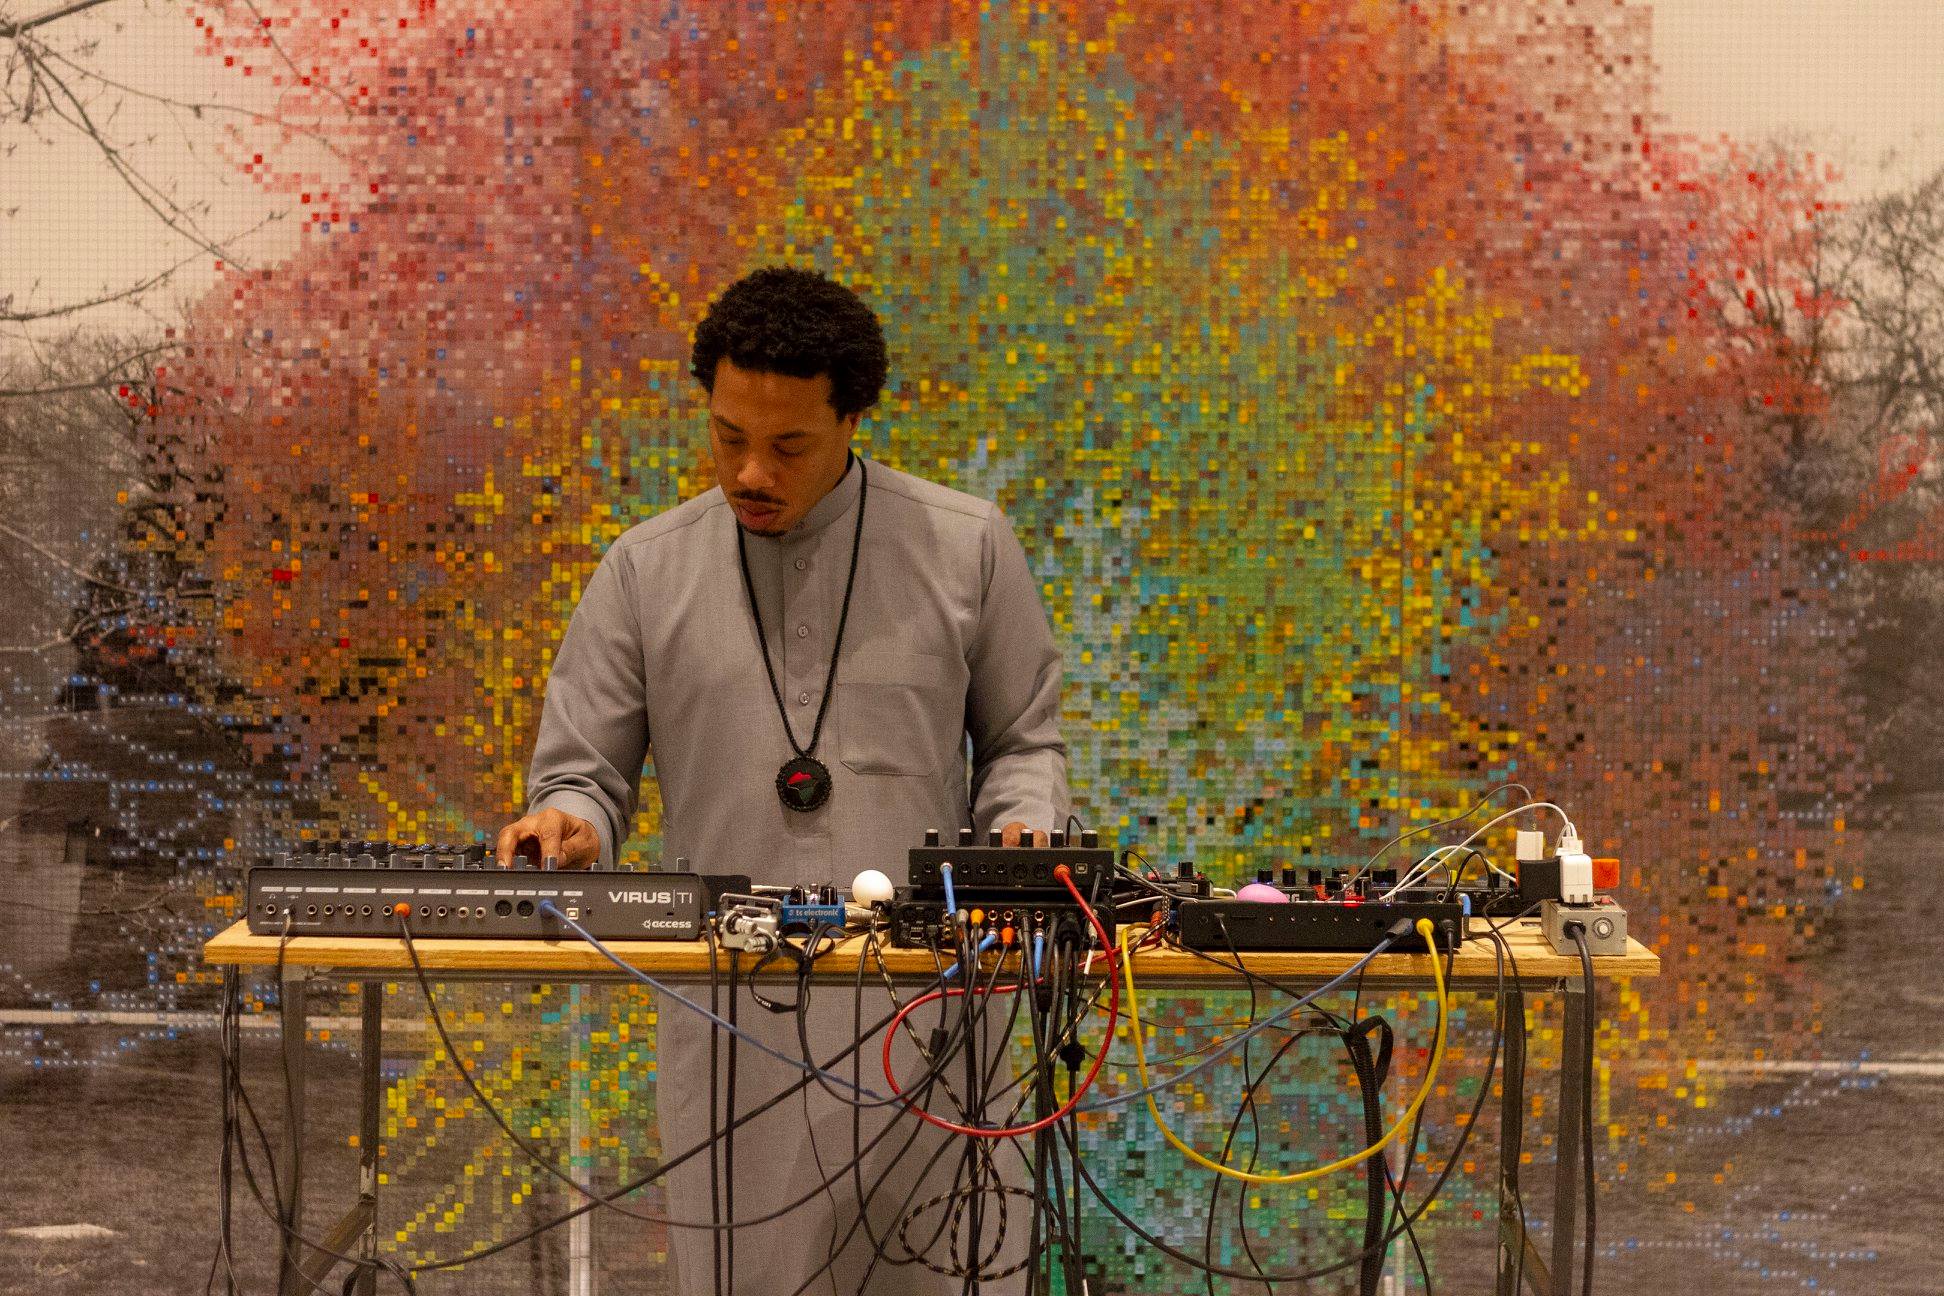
pixel 899 711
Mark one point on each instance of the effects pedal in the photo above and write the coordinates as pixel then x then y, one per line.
pixel 1355 925
pixel 1009 868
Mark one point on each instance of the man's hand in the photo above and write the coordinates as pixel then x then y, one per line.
pixel 551 834
pixel 1013 831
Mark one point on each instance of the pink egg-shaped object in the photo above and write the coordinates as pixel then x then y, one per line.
pixel 1262 893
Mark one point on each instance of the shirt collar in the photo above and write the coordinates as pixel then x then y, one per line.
pixel 837 503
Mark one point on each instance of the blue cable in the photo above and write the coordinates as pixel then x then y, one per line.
pixel 1039 948
pixel 951 899
pixel 547 907
pixel 984 945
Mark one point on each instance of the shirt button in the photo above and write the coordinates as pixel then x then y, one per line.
pixel 804 699
pixel 801 564
pixel 803 632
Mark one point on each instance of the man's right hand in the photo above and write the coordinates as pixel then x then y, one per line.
pixel 550 834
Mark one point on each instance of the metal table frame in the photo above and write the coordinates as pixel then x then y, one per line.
pixel 1520 1261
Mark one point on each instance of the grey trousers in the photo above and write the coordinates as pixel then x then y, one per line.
pixel 821 1247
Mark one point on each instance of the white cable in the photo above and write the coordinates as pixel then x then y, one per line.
pixel 1490 823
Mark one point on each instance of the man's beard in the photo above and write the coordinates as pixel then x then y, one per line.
pixel 766 505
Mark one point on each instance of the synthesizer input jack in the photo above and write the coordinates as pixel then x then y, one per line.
pixel 310 911
pixel 526 908
pixel 442 911
pixel 364 911
pixel 503 908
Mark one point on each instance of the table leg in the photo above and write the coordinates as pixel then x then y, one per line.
pixel 370 1100
pixel 295 1023
pixel 1572 1100
pixel 1519 1263
pixel 580 1231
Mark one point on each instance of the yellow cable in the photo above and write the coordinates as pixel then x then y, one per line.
pixel 1424 929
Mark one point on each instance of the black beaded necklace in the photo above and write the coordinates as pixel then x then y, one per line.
pixel 803 783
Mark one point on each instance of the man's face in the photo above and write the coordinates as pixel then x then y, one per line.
pixel 779 445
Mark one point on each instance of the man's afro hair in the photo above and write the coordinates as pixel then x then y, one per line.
pixel 800 323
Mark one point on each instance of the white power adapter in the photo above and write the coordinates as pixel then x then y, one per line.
pixel 1575 869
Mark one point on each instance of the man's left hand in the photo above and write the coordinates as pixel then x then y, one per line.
pixel 1015 830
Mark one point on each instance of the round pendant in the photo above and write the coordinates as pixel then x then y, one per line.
pixel 803 784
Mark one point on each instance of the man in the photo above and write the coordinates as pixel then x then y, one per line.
pixel 807 649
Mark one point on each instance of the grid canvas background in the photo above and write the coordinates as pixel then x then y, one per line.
pixel 1391 401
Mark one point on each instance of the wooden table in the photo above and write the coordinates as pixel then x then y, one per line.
pixel 1473 968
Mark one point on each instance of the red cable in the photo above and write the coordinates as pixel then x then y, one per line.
pixel 1113 1017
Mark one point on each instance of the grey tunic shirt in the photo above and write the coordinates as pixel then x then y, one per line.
pixel 947 646
pixel 947 639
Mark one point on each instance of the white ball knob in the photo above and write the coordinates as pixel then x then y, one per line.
pixel 870 887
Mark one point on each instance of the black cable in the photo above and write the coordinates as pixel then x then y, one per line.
pixel 1369 1075
pixel 878 1245
pixel 907 1212
pixel 1401 1182
pixel 1457 874
pixel 287 1214
pixel 978 1044
pixel 938 1052
pixel 1072 1056
pixel 224 1255
pixel 608 1200
pixel 287 1235
pixel 843 618
pixel 1342 1027
pixel 1215 1185
pixel 594 1200
pixel 1507 1009
pixel 1451 1162
pixel 728 1236
pixel 829 1180
pixel 1370 1082
pixel 1045 1209
pixel 1586 1104
pixel 976 1171
pixel 715 1113
pixel 916 1129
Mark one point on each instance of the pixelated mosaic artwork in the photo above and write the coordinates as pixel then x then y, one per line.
pixel 1368 383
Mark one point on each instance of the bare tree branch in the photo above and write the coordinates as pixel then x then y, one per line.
pixel 14 30
pixel 56 312
pixel 59 561
pixel 198 108
pixel 151 195
pixel 81 625
pixel 108 378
